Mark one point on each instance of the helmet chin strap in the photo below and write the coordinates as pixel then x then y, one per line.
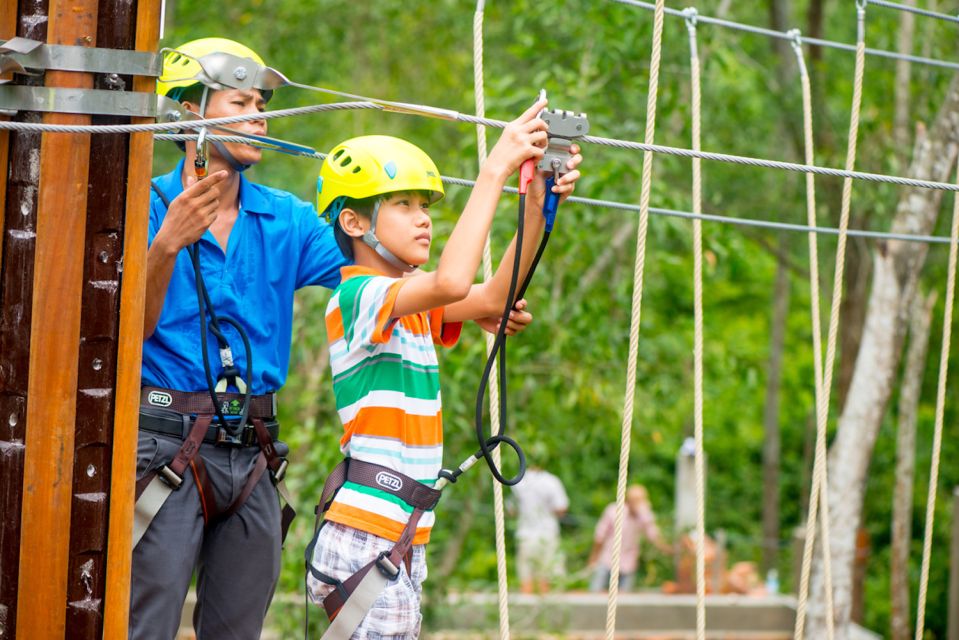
pixel 370 240
pixel 235 164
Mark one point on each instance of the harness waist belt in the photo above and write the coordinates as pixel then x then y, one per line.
pixel 179 427
pixel 199 402
pixel 412 492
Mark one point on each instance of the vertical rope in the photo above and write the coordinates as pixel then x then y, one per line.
pixel 819 490
pixel 816 322
pixel 937 431
pixel 691 15
pixel 635 315
pixel 502 578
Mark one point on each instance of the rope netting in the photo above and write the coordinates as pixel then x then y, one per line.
pixel 823 367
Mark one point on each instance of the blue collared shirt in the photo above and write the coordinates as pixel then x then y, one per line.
pixel 277 245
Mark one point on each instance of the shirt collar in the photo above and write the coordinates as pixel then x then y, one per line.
pixel 251 198
pixel 354 270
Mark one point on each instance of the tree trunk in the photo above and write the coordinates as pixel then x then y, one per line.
pixel 852 308
pixel 771 443
pixel 896 269
pixel 901 128
pixel 778 19
pixel 902 500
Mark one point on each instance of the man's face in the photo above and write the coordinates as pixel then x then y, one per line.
pixel 235 102
pixel 636 499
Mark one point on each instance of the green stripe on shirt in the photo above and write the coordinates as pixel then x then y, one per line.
pixel 413 380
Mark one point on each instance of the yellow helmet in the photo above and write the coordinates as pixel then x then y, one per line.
pixel 182 68
pixel 375 165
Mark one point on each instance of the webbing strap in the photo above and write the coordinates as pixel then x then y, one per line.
pixel 348 604
pixel 153 491
pixel 268 458
pixel 199 402
pixel 357 606
pixel 148 505
pixel 277 466
pixel 355 609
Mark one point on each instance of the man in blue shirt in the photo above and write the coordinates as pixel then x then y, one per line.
pixel 254 247
pixel 206 499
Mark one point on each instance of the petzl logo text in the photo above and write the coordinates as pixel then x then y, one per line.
pixel 389 481
pixel 160 399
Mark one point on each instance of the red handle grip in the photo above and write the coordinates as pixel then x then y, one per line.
pixel 526 172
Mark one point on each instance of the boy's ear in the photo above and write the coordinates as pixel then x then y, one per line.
pixel 352 223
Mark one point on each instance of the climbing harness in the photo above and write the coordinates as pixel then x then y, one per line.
pixel 168 411
pixel 348 603
pixel 351 599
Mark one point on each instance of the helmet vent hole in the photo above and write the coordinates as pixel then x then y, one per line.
pixel 346 161
pixel 336 156
pixel 356 169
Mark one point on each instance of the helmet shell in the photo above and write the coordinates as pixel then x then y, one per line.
pixel 180 66
pixel 375 165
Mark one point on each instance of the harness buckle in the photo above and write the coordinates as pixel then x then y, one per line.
pixel 225 439
pixel 280 472
pixel 170 477
pixel 386 566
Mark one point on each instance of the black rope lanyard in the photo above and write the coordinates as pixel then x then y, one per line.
pixel 487 444
pixel 205 308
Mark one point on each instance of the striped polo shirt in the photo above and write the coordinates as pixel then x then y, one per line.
pixel 387 388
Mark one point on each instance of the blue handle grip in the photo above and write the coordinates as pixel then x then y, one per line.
pixel 550 204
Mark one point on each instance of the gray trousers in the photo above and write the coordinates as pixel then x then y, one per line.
pixel 237 561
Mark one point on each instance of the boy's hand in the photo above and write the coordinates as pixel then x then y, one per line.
pixel 565 185
pixel 192 212
pixel 522 139
pixel 519 319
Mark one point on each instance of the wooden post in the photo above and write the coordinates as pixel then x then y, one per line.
pixel 954 570
pixel 129 348
pixel 54 343
pixel 72 282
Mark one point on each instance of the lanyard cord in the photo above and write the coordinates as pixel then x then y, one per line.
pixel 205 306
pixel 498 353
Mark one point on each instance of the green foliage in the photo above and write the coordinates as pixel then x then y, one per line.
pixel 567 370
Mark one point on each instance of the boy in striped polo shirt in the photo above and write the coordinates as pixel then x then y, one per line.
pixel 383 322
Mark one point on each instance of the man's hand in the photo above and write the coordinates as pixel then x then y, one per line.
pixel 519 319
pixel 191 213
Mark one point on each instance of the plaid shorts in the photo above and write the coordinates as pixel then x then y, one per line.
pixel 341 551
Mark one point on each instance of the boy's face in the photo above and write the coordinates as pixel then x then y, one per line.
pixel 235 102
pixel 405 227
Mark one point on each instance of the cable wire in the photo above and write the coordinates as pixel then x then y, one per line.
pixel 499 124
pixel 916 10
pixel 782 35
pixel 625 206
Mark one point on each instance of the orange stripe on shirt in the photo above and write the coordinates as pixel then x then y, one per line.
pixel 373 523
pixel 384 315
pixel 391 422
pixel 444 334
pixel 334 325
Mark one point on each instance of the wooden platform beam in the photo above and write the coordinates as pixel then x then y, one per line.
pixel 72 280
